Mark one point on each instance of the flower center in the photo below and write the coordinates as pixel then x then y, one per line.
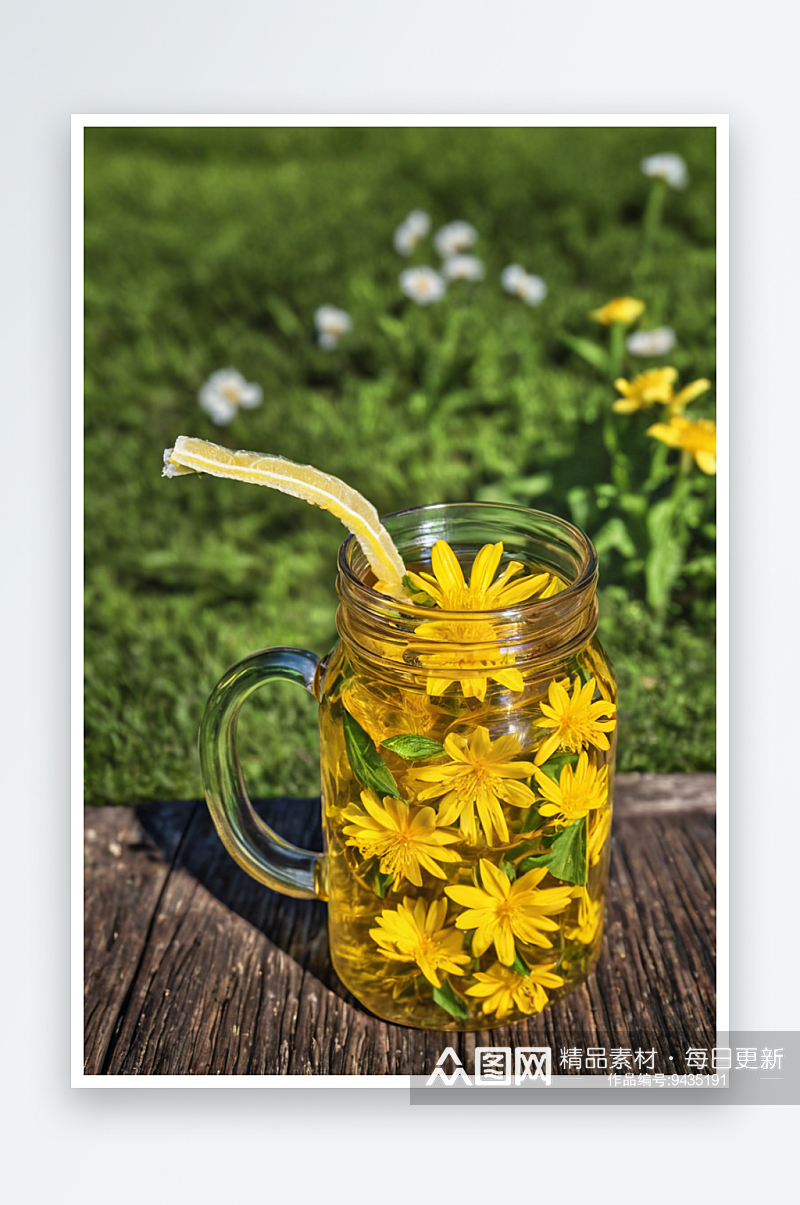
pixel 507 911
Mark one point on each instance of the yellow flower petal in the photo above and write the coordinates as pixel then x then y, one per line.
pixel 689 393
pixel 484 567
pixel 665 433
pixel 446 568
pixel 494 881
pixel 621 309
pixel 707 462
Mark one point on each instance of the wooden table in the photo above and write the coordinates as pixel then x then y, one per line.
pixel 192 968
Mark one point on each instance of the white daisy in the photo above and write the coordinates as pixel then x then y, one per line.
pixel 463 267
pixel 516 280
pixel 422 285
pixel 454 238
pixel 512 276
pixel 670 168
pixel 410 231
pixel 331 324
pixel 224 392
pixel 651 343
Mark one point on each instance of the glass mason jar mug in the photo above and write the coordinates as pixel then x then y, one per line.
pixel 467 760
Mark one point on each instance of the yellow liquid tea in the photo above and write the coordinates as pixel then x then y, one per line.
pixel 467 809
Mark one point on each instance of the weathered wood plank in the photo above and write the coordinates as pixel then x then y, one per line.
pixel 125 869
pixel 635 793
pixel 226 977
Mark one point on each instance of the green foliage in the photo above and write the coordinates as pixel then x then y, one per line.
pixel 367 764
pixel 411 747
pixel 566 857
pixel 447 999
pixel 556 763
pixel 213 247
pixel 378 882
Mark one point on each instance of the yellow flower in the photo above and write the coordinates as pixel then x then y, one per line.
pixel 655 385
pixel 410 933
pixel 405 839
pixel 576 721
pixel 450 591
pixel 466 657
pixel 590 913
pixel 597 836
pixel 503 990
pixel 688 394
pixel 472 667
pixel 554 586
pixel 697 437
pixel 502 911
pixel 621 309
pixel 478 775
pixel 577 791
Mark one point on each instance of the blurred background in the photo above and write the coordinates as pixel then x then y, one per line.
pixel 214 248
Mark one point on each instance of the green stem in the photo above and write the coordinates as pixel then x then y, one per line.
pixel 658 466
pixel 616 349
pixel 677 531
pixel 653 213
pixel 620 467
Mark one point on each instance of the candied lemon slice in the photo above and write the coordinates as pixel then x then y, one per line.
pixel 301 481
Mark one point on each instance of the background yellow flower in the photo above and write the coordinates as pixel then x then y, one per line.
pixel 620 309
pixel 655 385
pixel 697 437
pixel 688 394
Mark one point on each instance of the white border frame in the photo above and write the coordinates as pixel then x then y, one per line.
pixel 79 123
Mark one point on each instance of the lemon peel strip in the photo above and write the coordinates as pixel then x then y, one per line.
pixel 359 516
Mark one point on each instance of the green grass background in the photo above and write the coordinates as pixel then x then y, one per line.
pixel 213 247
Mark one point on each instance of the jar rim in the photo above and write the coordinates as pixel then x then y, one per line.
pixel 586 577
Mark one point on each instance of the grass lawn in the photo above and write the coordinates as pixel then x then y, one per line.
pixel 209 248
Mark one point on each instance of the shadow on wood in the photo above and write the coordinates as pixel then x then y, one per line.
pixel 194 968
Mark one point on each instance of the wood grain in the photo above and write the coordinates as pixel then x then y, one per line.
pixel 192 968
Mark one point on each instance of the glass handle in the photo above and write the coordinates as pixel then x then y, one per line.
pixel 257 849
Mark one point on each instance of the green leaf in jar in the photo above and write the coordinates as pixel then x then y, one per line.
pixel 519 966
pixel 418 597
pixel 365 760
pixel 379 883
pixel 446 998
pixel 411 747
pixel 583 671
pixel 555 764
pixel 340 682
pixel 566 857
pixel 508 869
